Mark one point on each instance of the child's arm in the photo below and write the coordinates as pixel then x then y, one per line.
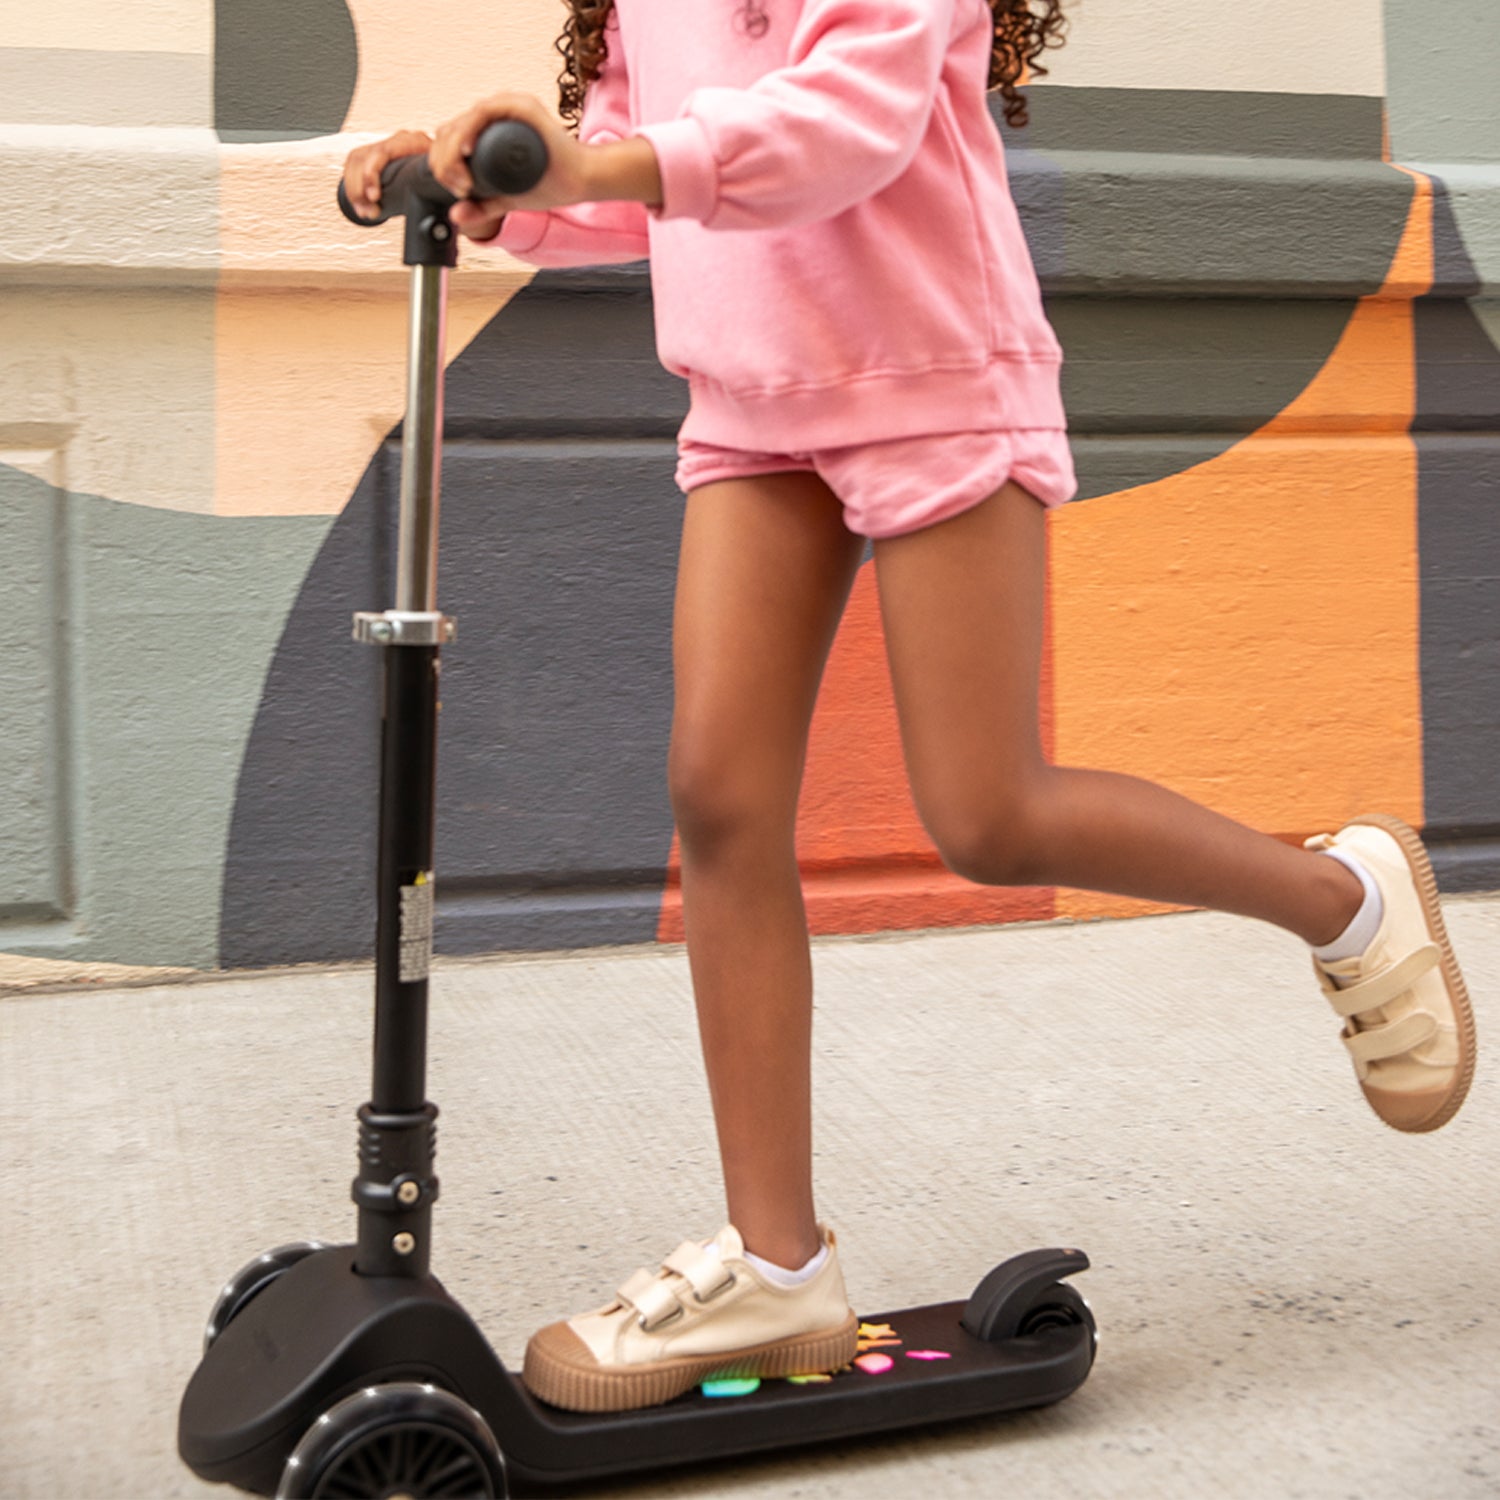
pixel 842 120
pixel 590 207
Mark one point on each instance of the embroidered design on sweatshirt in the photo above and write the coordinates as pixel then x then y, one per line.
pixel 752 20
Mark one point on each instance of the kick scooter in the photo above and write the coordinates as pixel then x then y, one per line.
pixel 347 1370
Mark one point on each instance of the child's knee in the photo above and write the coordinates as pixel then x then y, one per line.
pixel 719 799
pixel 991 836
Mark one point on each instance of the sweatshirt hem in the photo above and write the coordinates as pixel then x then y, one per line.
pixel 1003 394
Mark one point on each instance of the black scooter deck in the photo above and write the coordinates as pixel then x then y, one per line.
pixel 321 1332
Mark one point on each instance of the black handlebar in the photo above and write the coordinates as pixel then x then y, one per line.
pixel 509 158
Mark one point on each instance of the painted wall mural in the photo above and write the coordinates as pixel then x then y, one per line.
pixel 1270 245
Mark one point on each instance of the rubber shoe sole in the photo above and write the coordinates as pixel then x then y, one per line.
pixel 1452 1098
pixel 560 1369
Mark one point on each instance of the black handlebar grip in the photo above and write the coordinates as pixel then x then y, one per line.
pixel 402 182
pixel 509 158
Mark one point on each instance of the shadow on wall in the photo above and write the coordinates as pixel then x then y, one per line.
pixel 283 69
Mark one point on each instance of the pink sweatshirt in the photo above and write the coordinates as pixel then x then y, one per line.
pixel 837 258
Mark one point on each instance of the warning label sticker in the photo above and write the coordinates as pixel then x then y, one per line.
pixel 416 928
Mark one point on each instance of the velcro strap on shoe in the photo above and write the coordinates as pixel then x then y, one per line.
pixel 652 1297
pixel 1383 986
pixel 1392 1040
pixel 705 1273
pixel 639 1284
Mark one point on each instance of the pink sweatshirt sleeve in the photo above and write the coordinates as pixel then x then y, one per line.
pixel 839 122
pixel 586 234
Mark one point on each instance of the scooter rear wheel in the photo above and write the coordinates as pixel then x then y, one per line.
pixel 251 1280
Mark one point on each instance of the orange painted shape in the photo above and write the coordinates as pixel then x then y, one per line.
pixel 1247 631
pixel 867 863
pixel 1411 269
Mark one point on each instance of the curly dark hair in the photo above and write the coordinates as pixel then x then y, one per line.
pixel 1024 29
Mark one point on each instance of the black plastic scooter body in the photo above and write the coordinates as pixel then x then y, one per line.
pixel 321 1331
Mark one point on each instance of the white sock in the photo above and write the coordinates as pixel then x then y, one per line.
pixel 1360 932
pixel 781 1276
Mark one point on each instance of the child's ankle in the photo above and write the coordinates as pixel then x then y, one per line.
pixel 785 1252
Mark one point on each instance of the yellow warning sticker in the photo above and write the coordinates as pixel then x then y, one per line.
pixel 416 928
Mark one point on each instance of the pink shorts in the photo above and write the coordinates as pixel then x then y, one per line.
pixel 904 484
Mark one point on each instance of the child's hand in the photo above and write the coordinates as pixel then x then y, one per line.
pixel 565 181
pixel 365 164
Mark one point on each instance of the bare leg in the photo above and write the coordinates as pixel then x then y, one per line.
pixel 962 608
pixel 766 568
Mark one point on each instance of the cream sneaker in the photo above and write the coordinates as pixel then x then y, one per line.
pixel 704 1313
pixel 1407 1021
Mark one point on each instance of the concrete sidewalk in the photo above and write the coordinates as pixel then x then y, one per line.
pixel 1293 1300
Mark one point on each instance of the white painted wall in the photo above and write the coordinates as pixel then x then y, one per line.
pixel 1274 46
pixel 110 25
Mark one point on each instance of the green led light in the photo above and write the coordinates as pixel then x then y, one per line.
pixel 739 1386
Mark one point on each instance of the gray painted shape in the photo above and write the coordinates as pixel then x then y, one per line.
pixel 168 625
pixel 1107 465
pixel 1453 271
pixel 1199 122
pixel 1457 433
pixel 555 827
pixel 1460 563
pixel 558 553
pixel 1212 368
pixel 283 69
pixel 73 86
pixel 1188 193
pixel 1441 64
pixel 1458 369
pixel 1474 192
pixel 299 876
pixel 573 355
pixel 1182 225
pixel 1038 187
pixel 1488 316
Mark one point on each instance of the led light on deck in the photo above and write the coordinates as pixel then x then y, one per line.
pixel 742 1386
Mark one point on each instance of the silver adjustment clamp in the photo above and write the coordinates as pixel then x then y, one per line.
pixel 404 627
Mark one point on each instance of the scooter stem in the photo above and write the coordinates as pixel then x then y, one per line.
pixel 396 1186
pixel 421 452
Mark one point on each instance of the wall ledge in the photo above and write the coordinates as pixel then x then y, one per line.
pixel 131 207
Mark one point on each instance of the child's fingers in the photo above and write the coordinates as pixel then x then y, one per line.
pixel 455 141
pixel 478 220
pixel 450 150
pixel 365 164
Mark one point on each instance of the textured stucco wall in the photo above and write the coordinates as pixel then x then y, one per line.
pixel 1271 245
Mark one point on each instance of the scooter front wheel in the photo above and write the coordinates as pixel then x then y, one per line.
pixel 416 1442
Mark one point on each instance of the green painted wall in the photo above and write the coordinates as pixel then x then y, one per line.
pixel 124 710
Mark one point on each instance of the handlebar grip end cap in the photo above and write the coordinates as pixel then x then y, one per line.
pixel 509 158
